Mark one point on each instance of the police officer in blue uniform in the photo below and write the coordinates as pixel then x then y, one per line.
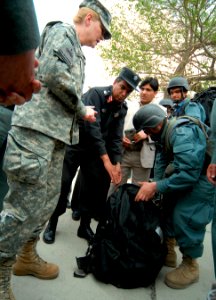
pixel 182 178
pixel 177 89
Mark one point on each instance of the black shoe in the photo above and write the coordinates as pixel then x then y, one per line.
pixel 68 204
pixel 85 232
pixel 49 234
pixel 76 215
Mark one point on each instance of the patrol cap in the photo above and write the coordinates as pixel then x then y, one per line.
pixel 130 77
pixel 166 102
pixel 103 13
pixel 148 116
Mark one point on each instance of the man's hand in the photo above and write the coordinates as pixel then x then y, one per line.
pixel 211 173
pixel 90 115
pixel 114 171
pixel 17 78
pixel 126 142
pixel 146 191
pixel 118 173
pixel 140 136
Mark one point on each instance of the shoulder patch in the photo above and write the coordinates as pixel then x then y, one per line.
pixel 65 52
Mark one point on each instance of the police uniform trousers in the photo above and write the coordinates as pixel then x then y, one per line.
pixel 190 211
pixel 33 164
pixel 91 187
pixel 72 159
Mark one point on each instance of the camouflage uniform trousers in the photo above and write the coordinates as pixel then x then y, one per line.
pixel 33 164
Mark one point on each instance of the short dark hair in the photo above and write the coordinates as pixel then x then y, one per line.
pixel 153 82
pixel 118 79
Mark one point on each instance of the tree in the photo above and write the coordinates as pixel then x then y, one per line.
pixel 165 38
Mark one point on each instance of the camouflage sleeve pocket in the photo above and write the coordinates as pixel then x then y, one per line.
pixel 20 164
pixel 65 53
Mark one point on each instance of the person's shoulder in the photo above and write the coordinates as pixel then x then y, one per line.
pixel 190 103
pixel 59 27
pixel 103 91
pixel 106 90
pixel 195 109
pixel 53 25
pixel 98 91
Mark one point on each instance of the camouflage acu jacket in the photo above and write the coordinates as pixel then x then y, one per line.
pixel 61 71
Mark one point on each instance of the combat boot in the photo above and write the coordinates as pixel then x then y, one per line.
pixel 171 258
pixel 186 274
pixel 29 263
pixel 5 279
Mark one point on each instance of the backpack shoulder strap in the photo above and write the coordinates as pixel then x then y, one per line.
pixel 180 121
pixel 197 122
pixel 174 122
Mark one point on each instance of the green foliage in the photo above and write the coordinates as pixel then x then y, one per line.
pixel 164 38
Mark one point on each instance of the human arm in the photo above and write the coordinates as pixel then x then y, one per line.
pixel 137 137
pixel 90 115
pixel 115 136
pixel 160 164
pixel 146 192
pixel 114 171
pixel 211 170
pixel 140 136
pixel 94 132
pixel 188 144
pixel 126 142
pixel 211 173
pixel 103 135
pixel 61 68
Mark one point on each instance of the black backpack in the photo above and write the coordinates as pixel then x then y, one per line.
pixel 128 250
pixel 206 98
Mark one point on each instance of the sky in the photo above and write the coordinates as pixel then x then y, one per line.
pixel 64 10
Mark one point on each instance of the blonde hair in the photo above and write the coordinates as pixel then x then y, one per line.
pixel 82 13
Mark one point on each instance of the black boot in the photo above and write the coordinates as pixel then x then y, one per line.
pixel 68 204
pixel 76 215
pixel 84 231
pixel 49 232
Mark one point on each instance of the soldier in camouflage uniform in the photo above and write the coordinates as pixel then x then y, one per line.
pixel 36 143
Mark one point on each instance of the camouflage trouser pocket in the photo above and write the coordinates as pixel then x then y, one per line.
pixel 21 164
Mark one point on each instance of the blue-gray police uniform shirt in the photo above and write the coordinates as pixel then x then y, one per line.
pixel 189 108
pixel 188 144
pixel 55 109
pixel 213 133
pixel 105 135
